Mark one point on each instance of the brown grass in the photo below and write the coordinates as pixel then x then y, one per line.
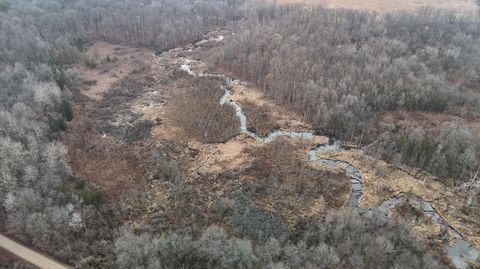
pixel 100 79
pixel 279 170
pixel 197 111
pixel 379 187
pixel 113 170
pixel 278 116
pixel 390 5
pixel 279 174
pixel 259 119
pixel 105 161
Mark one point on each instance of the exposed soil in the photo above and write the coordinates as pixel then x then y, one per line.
pixel 122 61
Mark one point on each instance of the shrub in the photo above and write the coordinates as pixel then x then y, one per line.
pixel 140 130
pixel 198 113
pixel 80 185
pixel 61 79
pixel 56 124
pixel 95 198
pixel 256 223
pixel 80 44
pixel 166 170
pixel 406 209
pixel 259 119
pixel 416 152
pixel 4 6
pixel 90 63
pixel 67 110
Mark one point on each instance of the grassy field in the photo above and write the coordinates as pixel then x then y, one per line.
pixel 389 5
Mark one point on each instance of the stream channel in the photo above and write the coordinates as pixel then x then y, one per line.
pixel 458 249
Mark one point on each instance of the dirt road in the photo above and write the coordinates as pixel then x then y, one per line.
pixel 29 255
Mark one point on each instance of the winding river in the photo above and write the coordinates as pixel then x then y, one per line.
pixel 459 250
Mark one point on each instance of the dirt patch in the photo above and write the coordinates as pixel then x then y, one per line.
pixel 112 63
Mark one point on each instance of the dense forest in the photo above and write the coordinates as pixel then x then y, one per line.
pixel 338 68
pixel 342 68
pixel 42 201
pixel 328 244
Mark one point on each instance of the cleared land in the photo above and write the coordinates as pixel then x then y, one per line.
pixel 388 5
pixel 99 138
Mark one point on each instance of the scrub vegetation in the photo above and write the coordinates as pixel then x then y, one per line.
pixel 342 68
pixel 111 156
